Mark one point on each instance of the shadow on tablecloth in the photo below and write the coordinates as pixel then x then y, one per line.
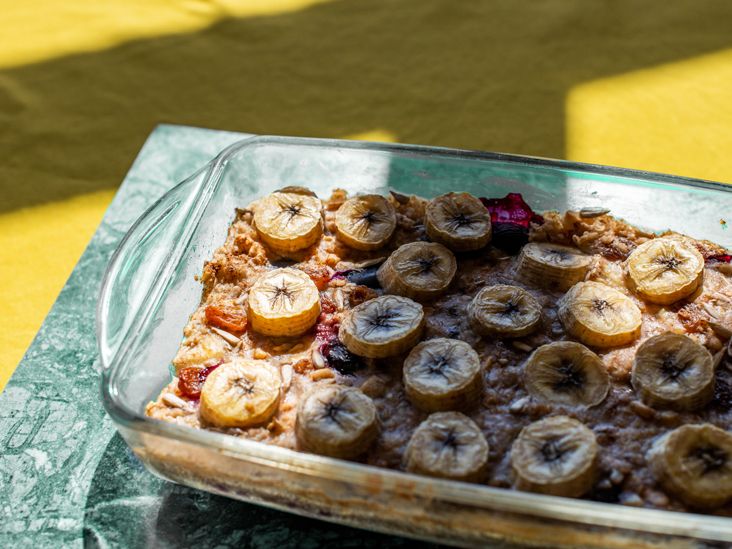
pixel 129 507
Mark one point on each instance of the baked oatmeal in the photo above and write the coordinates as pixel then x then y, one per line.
pixel 471 339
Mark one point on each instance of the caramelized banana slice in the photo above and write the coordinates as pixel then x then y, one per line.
pixel 557 456
pixel 664 270
pixel 418 270
pixel 442 374
pixel 673 371
pixel 385 326
pixel 448 445
pixel 365 222
pixel 240 393
pixel 288 221
pixel 283 302
pixel 552 266
pixel 599 316
pixel 336 421
pixel 504 311
pixel 694 463
pixel 567 373
pixel 459 221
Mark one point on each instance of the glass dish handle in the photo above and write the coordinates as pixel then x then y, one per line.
pixel 138 272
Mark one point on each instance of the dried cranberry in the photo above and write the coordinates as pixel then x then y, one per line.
pixel 190 380
pixel 721 258
pixel 511 209
pixel 510 217
pixel 360 294
pixel 226 318
pixel 326 305
pixel 362 277
pixel 339 358
pixel 320 275
pixel 326 331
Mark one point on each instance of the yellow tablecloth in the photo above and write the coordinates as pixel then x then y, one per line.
pixel 637 83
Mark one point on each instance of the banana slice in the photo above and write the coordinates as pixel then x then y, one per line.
pixel 552 266
pixel 567 373
pixel 288 221
pixel 365 222
pixel 599 316
pixel 459 221
pixel 240 393
pixel 664 270
pixel 673 371
pixel 418 270
pixel 694 463
pixel 442 374
pixel 557 456
pixel 283 302
pixel 448 445
pixel 336 421
pixel 385 326
pixel 504 311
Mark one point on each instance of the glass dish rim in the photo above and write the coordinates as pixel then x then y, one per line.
pixel 587 512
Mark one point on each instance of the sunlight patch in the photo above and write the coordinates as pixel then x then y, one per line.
pixel 673 118
pixel 381 136
pixel 39 247
pixel 47 29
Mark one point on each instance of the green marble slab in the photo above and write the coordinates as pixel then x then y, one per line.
pixel 66 478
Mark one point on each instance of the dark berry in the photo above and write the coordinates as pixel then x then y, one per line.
pixel 722 390
pixel 339 358
pixel 607 492
pixel 362 277
pixel 509 237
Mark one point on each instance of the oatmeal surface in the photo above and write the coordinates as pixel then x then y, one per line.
pixel 624 426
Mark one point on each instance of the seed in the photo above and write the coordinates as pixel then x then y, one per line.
pixel 175 401
pixel 633 500
pixel 721 330
pixel 669 418
pixel 399 197
pixel 518 406
pixel 324 373
pixel 283 348
pixel 616 477
pixel 593 212
pixel 642 410
pixel 604 484
pixel 298 348
pixel 231 339
pixel 502 361
pixel 286 376
pixel 374 387
pixel 259 354
pixel 521 346
pixel 338 298
pixel 317 359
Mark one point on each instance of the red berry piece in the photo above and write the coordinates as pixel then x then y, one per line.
pixel 510 217
pixel 191 380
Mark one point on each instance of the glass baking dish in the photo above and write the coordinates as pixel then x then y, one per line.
pixel 150 290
